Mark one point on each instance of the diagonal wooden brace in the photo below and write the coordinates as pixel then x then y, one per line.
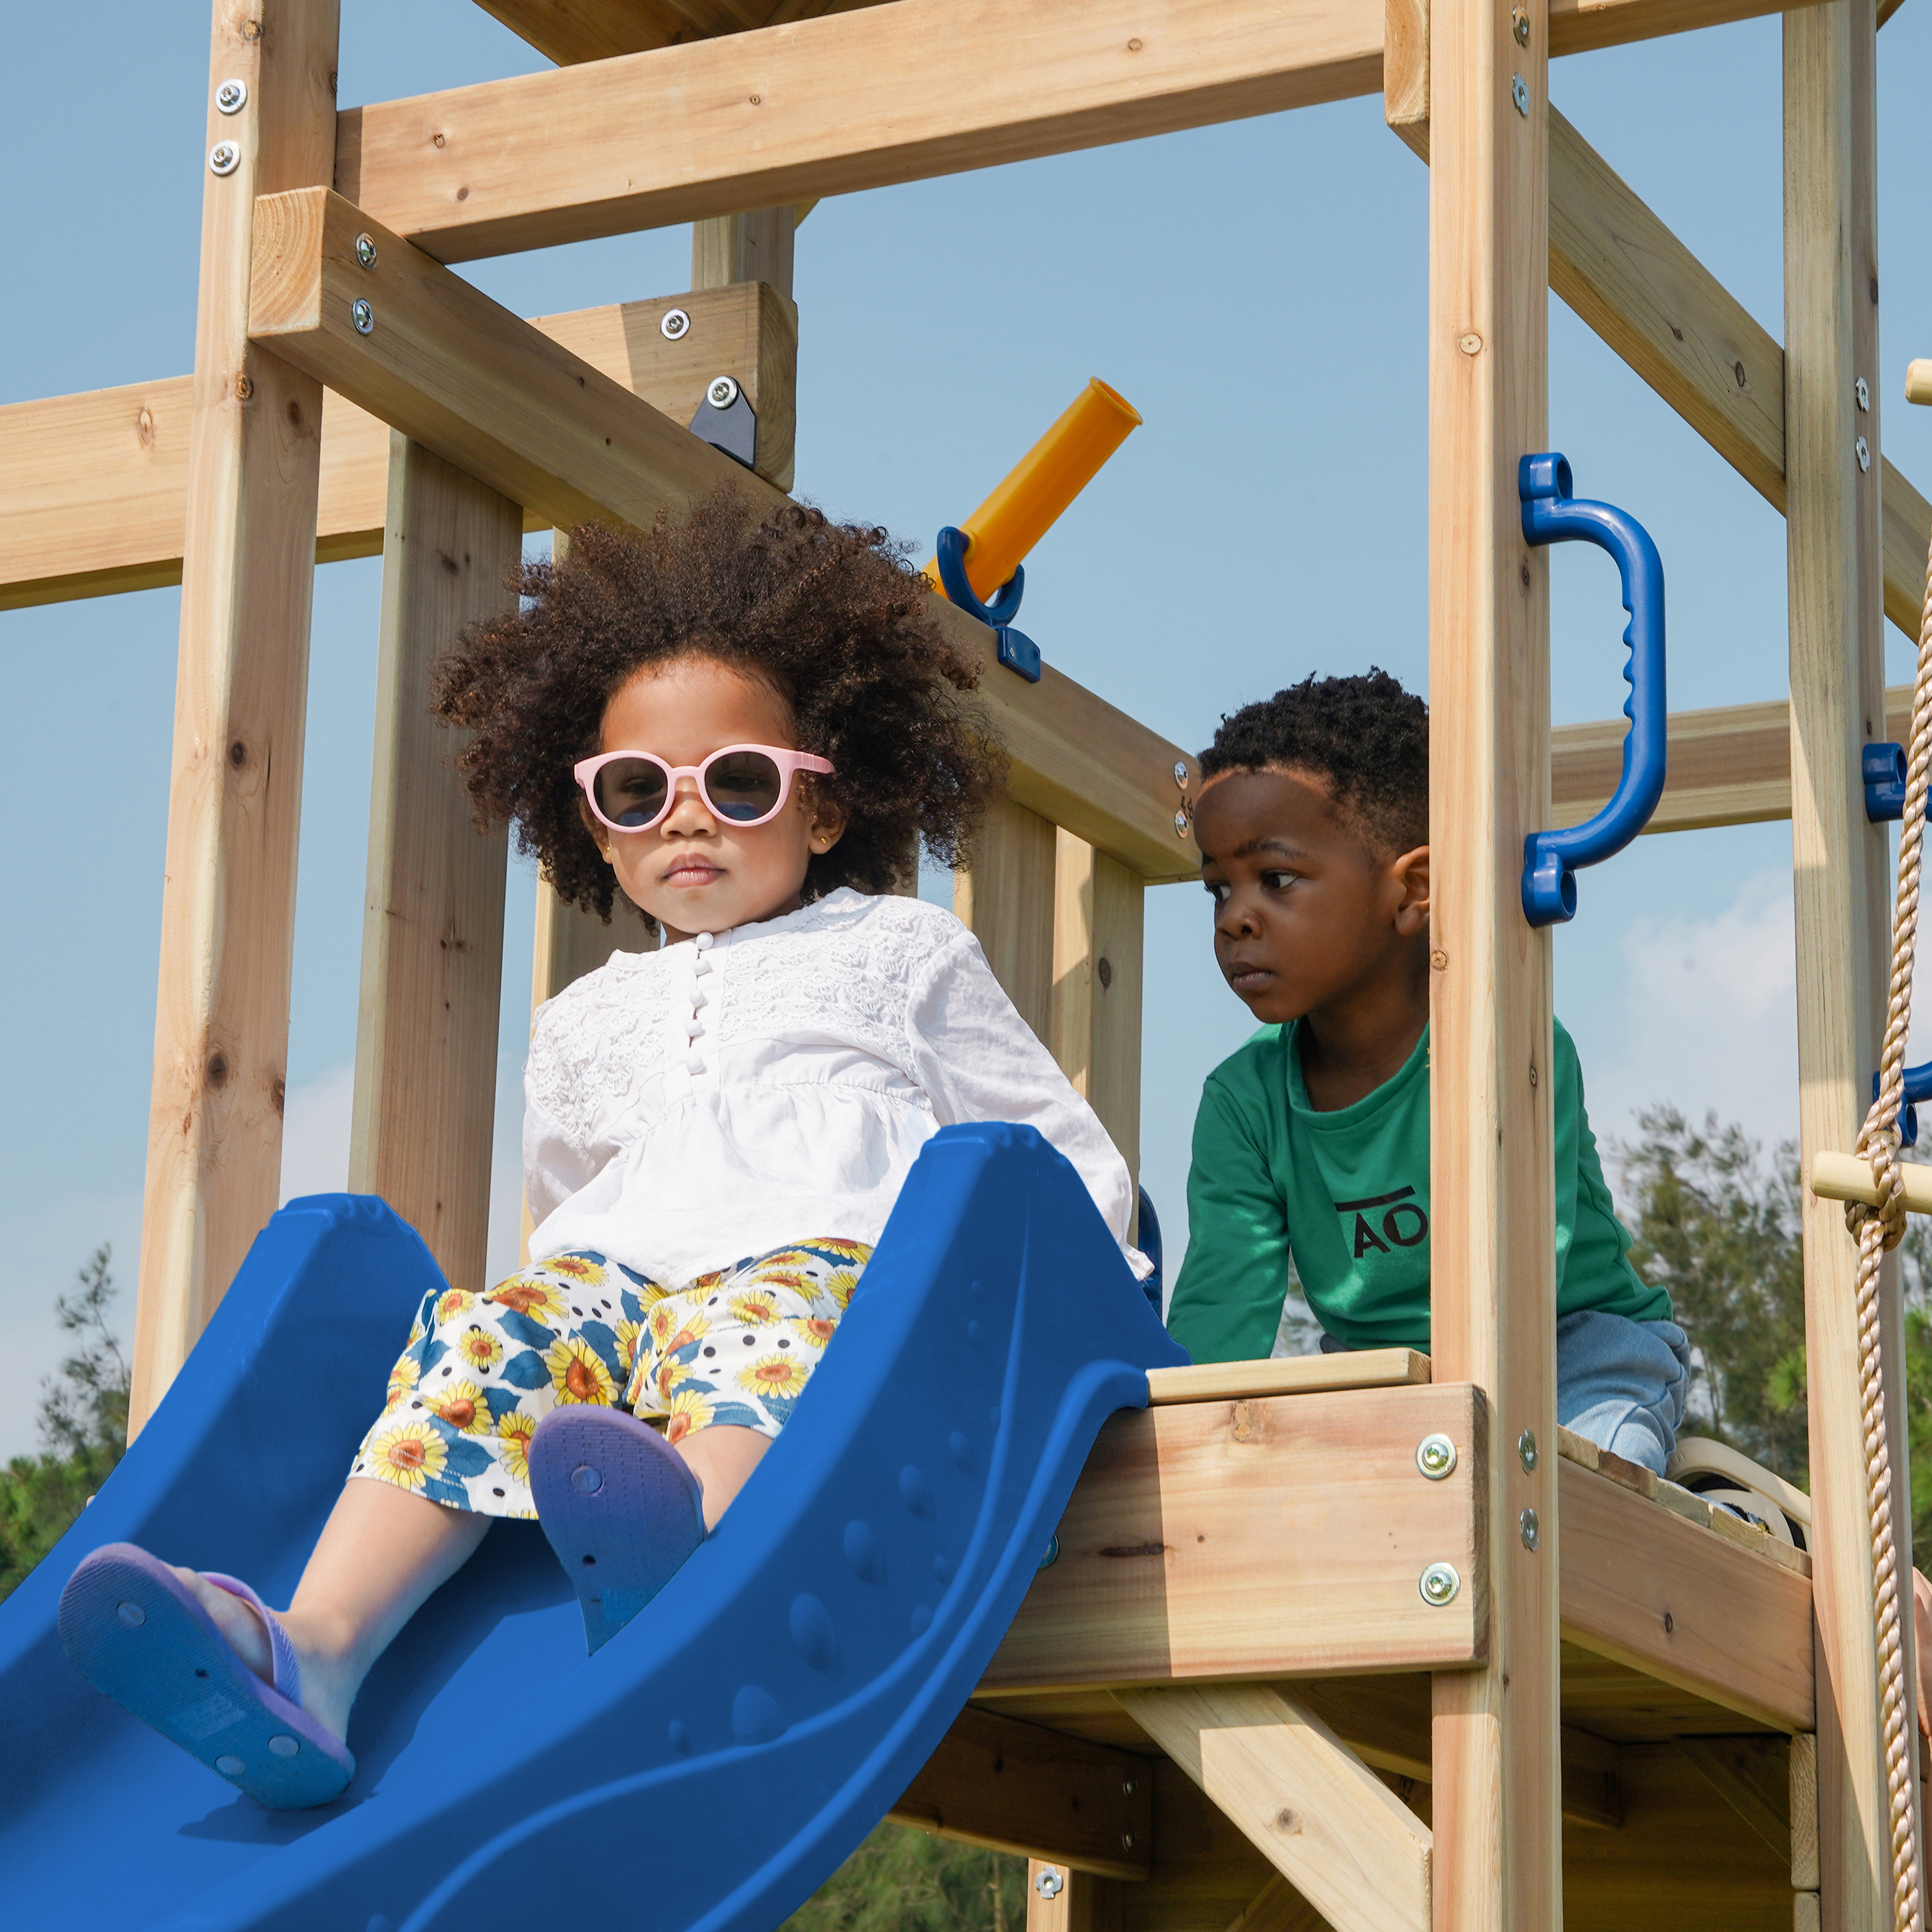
pixel 1326 1823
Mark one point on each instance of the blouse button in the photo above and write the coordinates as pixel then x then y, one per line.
pixel 699 998
pixel 694 1028
pixel 704 941
pixel 695 1064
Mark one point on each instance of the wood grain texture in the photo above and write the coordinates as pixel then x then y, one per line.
pixel 1210 1539
pixel 506 404
pixel 1071 1900
pixel 1753 1776
pixel 1841 887
pixel 1332 1829
pixel 1098 924
pixel 425 1093
pixel 1803 1811
pixel 1021 1788
pixel 1497 1784
pixel 1005 896
pixel 862 100
pixel 214 1137
pixel 93 498
pixel 1288 1375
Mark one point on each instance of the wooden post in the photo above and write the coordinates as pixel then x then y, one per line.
pixel 1059 1899
pixel 221 1018
pixel 1098 927
pixel 744 248
pixel 1497 1779
pixel 1839 864
pixel 1007 896
pixel 432 919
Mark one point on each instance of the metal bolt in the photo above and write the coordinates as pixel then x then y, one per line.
pixel 1180 774
pixel 1862 390
pixel 244 387
pixel 365 250
pixel 1519 25
pixel 673 323
pixel 1436 1457
pixel 1525 1450
pixel 1526 1523
pixel 1439 1584
pixel 1126 1841
pixel 1519 93
pixel 231 96
pixel 721 393
pixel 1126 1787
pixel 1864 454
pixel 1181 825
pixel 363 315
pixel 224 157
pixel 1050 1883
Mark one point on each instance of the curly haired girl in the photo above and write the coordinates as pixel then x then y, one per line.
pixel 745 726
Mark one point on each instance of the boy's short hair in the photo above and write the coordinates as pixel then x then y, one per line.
pixel 1366 736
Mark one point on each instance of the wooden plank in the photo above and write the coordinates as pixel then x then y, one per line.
pixel 425 1094
pixel 1206 1874
pixel 1332 1829
pixel 1753 1776
pixel 1062 1898
pixel 1288 1375
pixel 1803 1811
pixel 214 1137
pixel 1018 1787
pixel 1840 884
pixel 1099 922
pixel 1650 1591
pixel 93 495
pixel 505 404
pixel 1006 896
pixel 893 93
pixel 1498 1780
pixel 1212 1539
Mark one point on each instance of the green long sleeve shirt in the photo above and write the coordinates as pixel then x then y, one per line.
pixel 1346 1193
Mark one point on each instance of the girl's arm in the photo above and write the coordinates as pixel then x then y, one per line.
pixel 977 1060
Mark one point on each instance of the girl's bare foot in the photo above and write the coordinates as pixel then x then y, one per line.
pixel 327 1686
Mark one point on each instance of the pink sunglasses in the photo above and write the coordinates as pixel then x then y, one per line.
pixel 746 785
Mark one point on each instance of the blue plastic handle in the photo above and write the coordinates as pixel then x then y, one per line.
pixel 1918 1086
pixel 1005 604
pixel 1550 514
pixel 1883 768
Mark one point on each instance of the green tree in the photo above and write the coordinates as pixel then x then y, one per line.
pixel 902 1879
pixel 83 1430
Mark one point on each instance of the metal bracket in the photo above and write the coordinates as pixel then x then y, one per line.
pixel 726 420
pixel 1017 651
pixel 1883 768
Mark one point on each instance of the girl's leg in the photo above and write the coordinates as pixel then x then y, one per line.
pixel 381 1553
pixel 722 1458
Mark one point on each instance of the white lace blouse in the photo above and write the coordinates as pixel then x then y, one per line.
pixel 687 1108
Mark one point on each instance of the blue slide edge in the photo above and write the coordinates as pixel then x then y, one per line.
pixel 721 1756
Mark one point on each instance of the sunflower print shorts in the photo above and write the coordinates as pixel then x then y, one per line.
pixel 481 1371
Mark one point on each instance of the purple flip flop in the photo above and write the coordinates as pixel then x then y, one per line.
pixel 621 1508
pixel 134 1630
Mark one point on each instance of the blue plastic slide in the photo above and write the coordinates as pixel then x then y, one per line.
pixel 716 1760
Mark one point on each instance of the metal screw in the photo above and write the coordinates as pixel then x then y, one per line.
pixel 722 393
pixel 1181 825
pixel 1126 1787
pixel 1050 1883
pixel 1526 1523
pixel 1519 93
pixel 1126 1841
pixel 363 315
pixel 224 157
pixel 1180 774
pixel 1519 25
pixel 673 323
pixel 1864 454
pixel 231 96
pixel 1525 1450
pixel 1436 1457
pixel 365 250
pixel 1050 1556
pixel 1439 1584
pixel 1862 390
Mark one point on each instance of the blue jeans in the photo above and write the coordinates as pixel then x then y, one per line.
pixel 1623 1383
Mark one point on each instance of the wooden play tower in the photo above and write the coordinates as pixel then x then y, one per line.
pixel 1284 1671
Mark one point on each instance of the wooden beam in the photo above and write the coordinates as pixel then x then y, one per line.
pixel 1753 1776
pixel 425 1096
pixel 1497 1783
pixel 1099 922
pixel 1839 864
pixel 1021 1788
pixel 1331 1828
pixel 892 94
pixel 1062 1898
pixel 1005 894
pixel 215 1136
pixel 505 404
pixel 1290 1374
pixel 94 494
pixel 1212 1539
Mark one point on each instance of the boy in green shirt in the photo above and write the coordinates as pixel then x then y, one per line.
pixel 1313 1141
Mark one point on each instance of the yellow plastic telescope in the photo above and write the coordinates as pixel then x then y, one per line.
pixel 1007 525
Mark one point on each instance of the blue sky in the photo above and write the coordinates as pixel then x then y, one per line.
pixel 1256 289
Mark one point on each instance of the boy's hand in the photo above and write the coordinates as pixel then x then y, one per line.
pixel 1922 1624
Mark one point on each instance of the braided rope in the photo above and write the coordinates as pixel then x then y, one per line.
pixel 1879 1229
